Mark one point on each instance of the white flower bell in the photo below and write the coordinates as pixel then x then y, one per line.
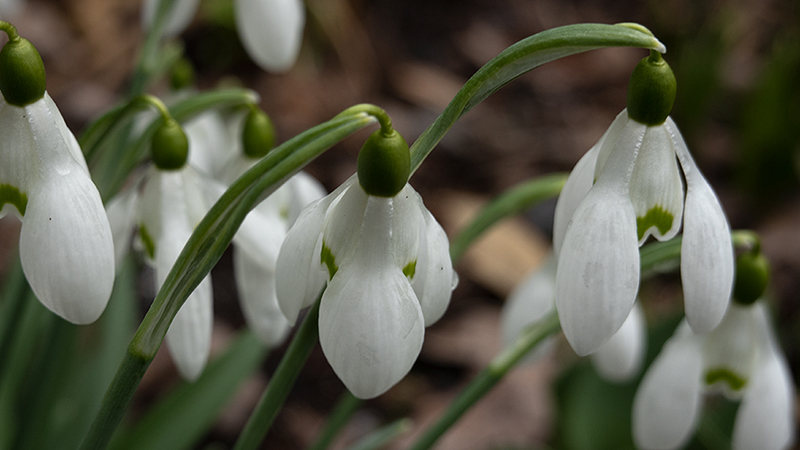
pixel 618 360
pixel 66 248
pixel 388 268
pixel 626 188
pixel 271 31
pixel 740 359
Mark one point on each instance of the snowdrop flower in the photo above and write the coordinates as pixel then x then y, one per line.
pixel 741 359
pixel 178 19
pixel 386 262
pixel 65 243
pixel 258 241
pixel 618 360
pixel 165 204
pixel 626 188
pixel 271 31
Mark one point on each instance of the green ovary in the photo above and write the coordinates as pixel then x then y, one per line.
pixel 147 240
pixel 721 374
pixel 655 217
pixel 327 258
pixel 10 194
pixel 410 269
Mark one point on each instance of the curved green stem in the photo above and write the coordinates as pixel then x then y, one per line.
pixel 281 383
pixel 511 202
pixel 485 381
pixel 10 30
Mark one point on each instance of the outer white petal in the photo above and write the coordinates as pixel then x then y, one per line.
pixel 407 217
pixel 261 235
pixel 211 142
pixel 370 324
pixel 656 187
pixel 178 19
pixel 66 247
pixel 341 231
pixel 271 31
pixel 621 358
pixel 434 278
pixel 304 189
pixel 528 303
pixel 189 335
pixel 598 270
pixel 578 183
pixel 18 153
pixel 730 350
pixel 707 264
pixel 256 285
pixel 121 211
pixel 766 419
pixel 667 404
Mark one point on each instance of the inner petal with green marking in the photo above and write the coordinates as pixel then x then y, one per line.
pixel 10 194
pixel 327 258
pixel 410 269
pixel 655 217
pixel 147 240
pixel 725 375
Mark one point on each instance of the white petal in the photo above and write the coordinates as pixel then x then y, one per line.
pixel 529 303
pixel 730 351
pixel 598 269
pixel 765 420
pixel 656 187
pixel 370 324
pixel 433 277
pixel 261 235
pixel 621 358
pixel 706 251
pixel 667 404
pixel 578 183
pixel 66 247
pixel 610 139
pixel 271 31
pixel 121 211
pixel 341 232
pixel 189 335
pixel 180 16
pixel 66 134
pixel 256 285
pixel 407 218
pixel 211 142
pixel 19 161
pixel 304 189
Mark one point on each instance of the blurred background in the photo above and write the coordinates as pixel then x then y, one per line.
pixel 737 63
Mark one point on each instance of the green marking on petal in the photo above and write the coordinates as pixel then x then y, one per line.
pixel 724 375
pixel 329 260
pixel 655 217
pixel 147 240
pixel 410 269
pixel 10 194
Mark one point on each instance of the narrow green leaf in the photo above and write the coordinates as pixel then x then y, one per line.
pixel 522 57
pixel 181 419
pixel 382 436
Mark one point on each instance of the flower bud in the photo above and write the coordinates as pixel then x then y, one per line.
pixel 752 276
pixel 384 164
pixel 651 91
pixel 170 147
pixel 258 135
pixel 22 77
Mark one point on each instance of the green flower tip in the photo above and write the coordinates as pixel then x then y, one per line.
pixel 384 164
pixel 170 146
pixel 22 77
pixel 752 276
pixel 182 74
pixel 258 135
pixel 651 90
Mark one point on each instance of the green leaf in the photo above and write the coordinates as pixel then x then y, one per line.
pixel 182 418
pixel 525 56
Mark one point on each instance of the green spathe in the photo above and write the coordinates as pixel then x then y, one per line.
pixel 258 135
pixel 10 194
pixel 384 164
pixel 22 77
pixel 651 90
pixel 170 146
pixel 655 217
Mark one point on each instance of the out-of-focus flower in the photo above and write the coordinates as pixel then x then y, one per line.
pixel 271 31
pixel 626 188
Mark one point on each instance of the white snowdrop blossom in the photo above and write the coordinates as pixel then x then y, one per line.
pixel 740 359
pixel 66 247
pixel 178 18
pixel 271 31
pixel 165 206
pixel 624 189
pixel 389 276
pixel 618 360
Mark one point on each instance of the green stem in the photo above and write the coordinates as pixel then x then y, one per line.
pixel 116 400
pixel 347 406
pixel 281 383
pixel 145 67
pixel 512 202
pixel 380 437
pixel 500 365
pixel 10 30
pixel 15 293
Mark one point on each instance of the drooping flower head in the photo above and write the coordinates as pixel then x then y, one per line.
pixel 386 262
pixel 66 248
pixel 626 188
pixel 740 359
